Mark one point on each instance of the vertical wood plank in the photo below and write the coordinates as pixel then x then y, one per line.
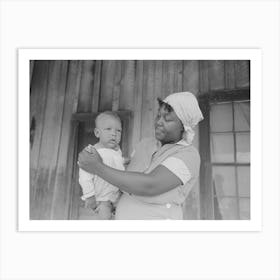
pixel 38 97
pixel 168 77
pixel 31 68
pixel 165 80
pixel 157 85
pixel 229 74
pixel 50 139
pixel 96 86
pixel 147 124
pixel 117 85
pixel 158 78
pixel 74 199
pixel 191 76
pixel 216 72
pixel 86 86
pixel 76 87
pixel 203 76
pixel 242 73
pixel 38 87
pixel 137 111
pixel 178 76
pixel 171 77
pixel 107 85
pixel 191 206
pixel 62 186
pixel 127 85
pixel 127 95
pixel 126 134
pixel 206 187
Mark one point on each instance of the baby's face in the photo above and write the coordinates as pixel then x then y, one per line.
pixel 109 131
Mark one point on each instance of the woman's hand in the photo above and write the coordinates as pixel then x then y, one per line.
pixel 89 160
pixel 126 160
pixel 90 148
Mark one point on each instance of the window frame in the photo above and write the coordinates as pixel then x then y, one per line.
pixel 207 197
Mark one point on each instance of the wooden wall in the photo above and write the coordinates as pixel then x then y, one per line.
pixel 60 88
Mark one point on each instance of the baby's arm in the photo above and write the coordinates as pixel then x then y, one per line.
pixel 86 182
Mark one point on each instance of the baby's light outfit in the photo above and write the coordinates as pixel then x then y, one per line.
pixel 93 185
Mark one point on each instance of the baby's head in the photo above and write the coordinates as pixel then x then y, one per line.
pixel 108 129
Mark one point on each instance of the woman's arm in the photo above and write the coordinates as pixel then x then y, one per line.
pixel 159 181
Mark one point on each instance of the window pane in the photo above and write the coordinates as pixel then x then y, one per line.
pixel 221 117
pixel 243 147
pixel 224 180
pixel 228 208
pixel 243 175
pixel 222 147
pixel 244 205
pixel 242 116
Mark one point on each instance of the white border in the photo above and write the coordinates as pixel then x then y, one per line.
pixel 25 55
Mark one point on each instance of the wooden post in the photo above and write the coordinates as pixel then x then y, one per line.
pixel 206 188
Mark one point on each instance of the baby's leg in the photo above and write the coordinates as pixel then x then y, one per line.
pixel 104 210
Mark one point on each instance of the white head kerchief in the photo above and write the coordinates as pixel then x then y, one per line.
pixel 186 107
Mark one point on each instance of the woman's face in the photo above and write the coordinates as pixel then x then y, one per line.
pixel 168 127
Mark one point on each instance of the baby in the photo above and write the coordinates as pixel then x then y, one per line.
pixel 98 194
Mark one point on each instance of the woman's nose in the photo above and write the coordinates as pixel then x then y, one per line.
pixel 159 121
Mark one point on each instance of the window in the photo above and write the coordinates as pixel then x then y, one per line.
pixel 225 168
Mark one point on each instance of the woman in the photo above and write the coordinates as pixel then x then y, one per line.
pixel 162 170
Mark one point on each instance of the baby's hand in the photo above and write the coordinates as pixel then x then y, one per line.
pixel 91 203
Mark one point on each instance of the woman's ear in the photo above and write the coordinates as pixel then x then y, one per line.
pixel 96 132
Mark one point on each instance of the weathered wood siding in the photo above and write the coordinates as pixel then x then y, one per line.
pixel 60 88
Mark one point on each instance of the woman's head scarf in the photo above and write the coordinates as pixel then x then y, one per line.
pixel 186 108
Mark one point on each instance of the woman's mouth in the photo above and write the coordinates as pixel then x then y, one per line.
pixel 159 130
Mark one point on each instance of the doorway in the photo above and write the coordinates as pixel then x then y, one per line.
pixel 83 125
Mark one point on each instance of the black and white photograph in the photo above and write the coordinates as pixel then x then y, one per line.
pixel 177 131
